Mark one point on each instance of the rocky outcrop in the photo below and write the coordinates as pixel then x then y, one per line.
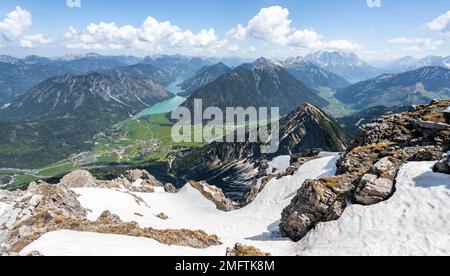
pixel 215 195
pixel 443 166
pixel 240 250
pixel 133 181
pixel 44 208
pixel 367 171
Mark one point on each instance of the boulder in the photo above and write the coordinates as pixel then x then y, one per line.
pixel 447 115
pixel 79 179
pixel 373 189
pixel 215 195
pixel 443 166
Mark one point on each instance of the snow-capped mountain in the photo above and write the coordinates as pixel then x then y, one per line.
pixel 312 75
pixel 347 65
pixel 8 59
pixel 409 63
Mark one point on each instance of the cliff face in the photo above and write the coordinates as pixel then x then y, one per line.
pixel 367 171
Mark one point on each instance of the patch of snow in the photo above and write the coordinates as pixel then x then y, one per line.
pixel 447 110
pixel 159 190
pixel 70 243
pixel 256 224
pixel 360 121
pixel 415 221
pixel 3 208
pixel 137 183
pixel 5 106
pixel 279 164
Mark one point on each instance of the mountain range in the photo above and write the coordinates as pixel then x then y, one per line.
pixel 17 76
pixel 204 76
pixel 347 65
pixel 409 88
pixel 60 116
pixel 312 75
pixel 410 64
pixel 178 66
pixel 263 83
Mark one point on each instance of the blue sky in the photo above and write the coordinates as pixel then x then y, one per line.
pixel 197 27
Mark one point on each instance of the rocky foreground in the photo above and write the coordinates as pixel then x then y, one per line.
pixel 367 172
pixel 388 194
pixel 44 208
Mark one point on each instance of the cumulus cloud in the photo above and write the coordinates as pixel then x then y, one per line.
pixel 272 25
pixel 29 41
pixel 151 35
pixel 15 24
pixel 417 44
pixel 441 24
pixel 14 28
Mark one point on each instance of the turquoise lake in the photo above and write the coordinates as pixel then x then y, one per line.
pixel 168 105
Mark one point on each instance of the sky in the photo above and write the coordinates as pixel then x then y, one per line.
pixel 373 29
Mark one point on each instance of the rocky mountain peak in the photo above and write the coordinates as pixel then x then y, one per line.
pixel 265 64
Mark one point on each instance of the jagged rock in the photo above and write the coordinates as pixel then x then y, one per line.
pixel 443 166
pixel 57 199
pixel 215 195
pixel 447 115
pixel 170 188
pixel 314 202
pixel 133 181
pixel 162 216
pixel 34 254
pixel 384 166
pixel 79 179
pixel 373 189
pixel 240 250
pixel 148 180
pixel 367 171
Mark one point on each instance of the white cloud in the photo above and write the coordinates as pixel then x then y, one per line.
pixel 29 41
pixel 441 24
pixel 272 25
pixel 152 35
pixel 15 24
pixel 417 44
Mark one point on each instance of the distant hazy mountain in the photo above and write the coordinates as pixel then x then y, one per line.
pixel 347 65
pixel 8 59
pixel 312 75
pixel 95 94
pixel 32 60
pixel 409 63
pixel 353 122
pixel 409 88
pixel 60 116
pixel 144 72
pixel 91 63
pixel 263 83
pixel 17 76
pixel 231 166
pixel 204 76
pixel 16 79
pixel 178 66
